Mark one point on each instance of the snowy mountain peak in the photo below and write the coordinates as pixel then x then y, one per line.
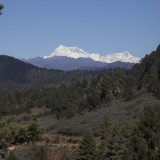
pixel 123 57
pixel 74 52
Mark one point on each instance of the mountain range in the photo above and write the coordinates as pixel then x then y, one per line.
pixel 73 58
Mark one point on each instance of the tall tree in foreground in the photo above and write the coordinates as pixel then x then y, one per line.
pixel 87 148
pixel 1 7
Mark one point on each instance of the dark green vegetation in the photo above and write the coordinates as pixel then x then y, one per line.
pixel 147 73
pixel 15 74
pixel 87 148
pixel 66 100
pixel 125 142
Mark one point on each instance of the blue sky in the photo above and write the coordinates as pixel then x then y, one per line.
pixel 30 28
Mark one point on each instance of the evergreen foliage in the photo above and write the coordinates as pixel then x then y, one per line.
pixel 87 148
pixel 147 135
pixel 147 73
pixel 125 142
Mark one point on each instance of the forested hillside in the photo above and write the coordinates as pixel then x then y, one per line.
pixel 147 73
pixel 84 92
pixel 15 74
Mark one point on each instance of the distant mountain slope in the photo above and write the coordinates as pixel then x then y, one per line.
pixel 12 69
pixel 65 63
pixel 118 64
pixel 18 74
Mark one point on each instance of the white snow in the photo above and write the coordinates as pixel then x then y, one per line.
pixel 74 52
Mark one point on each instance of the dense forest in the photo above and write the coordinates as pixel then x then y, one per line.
pixel 67 100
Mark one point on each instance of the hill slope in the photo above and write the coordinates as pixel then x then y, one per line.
pixel 21 75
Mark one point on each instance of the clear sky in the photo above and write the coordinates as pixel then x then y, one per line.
pixel 31 28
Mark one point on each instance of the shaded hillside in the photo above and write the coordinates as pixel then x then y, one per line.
pixel 147 73
pixel 12 69
pixel 17 74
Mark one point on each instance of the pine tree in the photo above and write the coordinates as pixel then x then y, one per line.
pixel 115 141
pixel 146 142
pixel 105 128
pixel 105 134
pixel 87 148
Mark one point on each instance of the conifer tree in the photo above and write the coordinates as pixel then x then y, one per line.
pixel 87 148
pixel 105 134
pixel 115 146
pixel 146 143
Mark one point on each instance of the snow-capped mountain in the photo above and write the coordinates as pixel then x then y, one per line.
pixel 74 52
pixel 122 57
pixel 73 58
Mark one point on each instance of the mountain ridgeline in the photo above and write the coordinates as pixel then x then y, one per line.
pixel 73 58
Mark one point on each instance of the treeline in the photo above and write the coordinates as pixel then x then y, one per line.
pixel 67 100
pixel 125 142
